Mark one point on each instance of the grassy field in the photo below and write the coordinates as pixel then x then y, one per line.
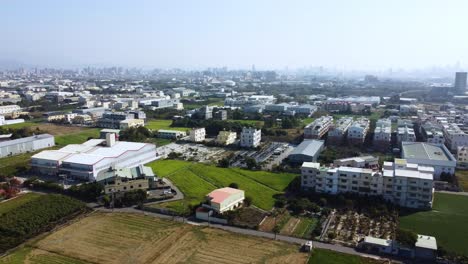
pixel 462 176
pixel 447 222
pixel 162 124
pixel 305 227
pixel 255 123
pixel 11 204
pixel 132 238
pixel 77 137
pixel 197 180
pixel 324 256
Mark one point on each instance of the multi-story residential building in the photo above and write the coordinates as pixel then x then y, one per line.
pixel 462 157
pixel 318 128
pixel 405 184
pixel 358 130
pixel 27 144
pixel 206 112
pixel 432 133
pixel 226 138
pixel 9 109
pixel 405 134
pixel 408 184
pixel 338 131
pixel 431 155
pixel 455 137
pixel 197 134
pixel 113 119
pixel 171 134
pixel 127 179
pixel 220 115
pixel 460 82
pixel 160 103
pixel 383 134
pixel 124 124
pixel 250 137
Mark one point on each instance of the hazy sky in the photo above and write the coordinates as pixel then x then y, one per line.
pixel 359 34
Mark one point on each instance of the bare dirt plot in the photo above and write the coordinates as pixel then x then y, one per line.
pixel 131 238
pixel 290 226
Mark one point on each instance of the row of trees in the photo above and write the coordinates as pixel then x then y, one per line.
pixel 34 217
pixel 88 192
pixel 212 126
pixel 20 132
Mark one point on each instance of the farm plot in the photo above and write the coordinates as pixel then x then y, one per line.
pixel 131 238
pixel 13 203
pixel 349 227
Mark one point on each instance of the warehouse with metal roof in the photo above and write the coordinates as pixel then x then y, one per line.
pixel 307 151
pixel 430 154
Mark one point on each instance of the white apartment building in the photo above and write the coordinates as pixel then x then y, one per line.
pixel 171 134
pixel 462 157
pixel 318 128
pixel 405 184
pixel 197 134
pixel 338 131
pixel 432 133
pixel 408 184
pixel 406 134
pixel 250 137
pixel 358 130
pixel 8 109
pixel 383 133
pixel 454 137
pixel 226 138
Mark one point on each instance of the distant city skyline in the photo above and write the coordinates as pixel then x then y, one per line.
pixel 346 35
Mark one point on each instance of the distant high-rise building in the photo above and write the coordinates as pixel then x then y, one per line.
pixel 460 82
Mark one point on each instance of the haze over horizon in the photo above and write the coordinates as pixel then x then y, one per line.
pixel 362 34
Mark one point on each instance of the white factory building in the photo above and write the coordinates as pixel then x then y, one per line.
pixel 250 137
pixel 85 161
pixel 430 154
pixel 27 144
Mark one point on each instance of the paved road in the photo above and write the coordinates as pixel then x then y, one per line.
pixel 250 232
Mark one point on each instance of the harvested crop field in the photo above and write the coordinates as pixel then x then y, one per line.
pixel 131 238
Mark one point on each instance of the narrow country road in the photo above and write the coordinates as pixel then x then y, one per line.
pixel 455 193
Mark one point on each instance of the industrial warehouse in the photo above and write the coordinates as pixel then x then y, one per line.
pixel 85 161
